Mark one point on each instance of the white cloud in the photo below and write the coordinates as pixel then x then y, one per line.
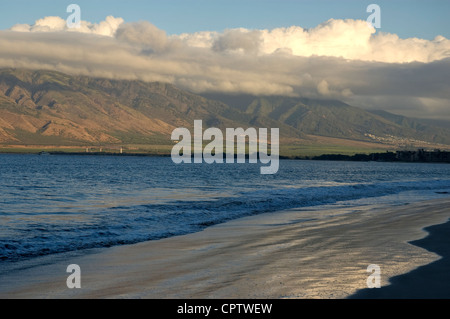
pixel 322 88
pixel 204 39
pixel 349 39
pixel 56 24
pixel 342 59
pixel 240 40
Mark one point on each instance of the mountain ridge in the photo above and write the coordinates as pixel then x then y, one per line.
pixel 334 118
pixel 48 107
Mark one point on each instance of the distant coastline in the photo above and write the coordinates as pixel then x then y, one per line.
pixel 417 156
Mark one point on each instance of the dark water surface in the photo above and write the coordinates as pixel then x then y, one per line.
pixel 51 204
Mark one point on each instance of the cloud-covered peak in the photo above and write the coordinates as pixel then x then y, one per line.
pixel 338 59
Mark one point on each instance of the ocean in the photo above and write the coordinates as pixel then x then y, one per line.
pixel 66 203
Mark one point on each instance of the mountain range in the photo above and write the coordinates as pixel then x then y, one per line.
pixel 39 107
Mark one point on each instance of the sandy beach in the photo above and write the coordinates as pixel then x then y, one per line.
pixel 290 254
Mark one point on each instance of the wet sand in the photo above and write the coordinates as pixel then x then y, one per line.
pixel 431 281
pixel 290 254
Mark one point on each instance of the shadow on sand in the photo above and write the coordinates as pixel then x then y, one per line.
pixel 430 281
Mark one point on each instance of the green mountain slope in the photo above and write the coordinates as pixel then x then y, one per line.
pixel 334 118
pixel 430 130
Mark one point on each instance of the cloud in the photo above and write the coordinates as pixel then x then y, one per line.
pixel 144 34
pixel 57 24
pixel 242 40
pixel 349 39
pixel 338 59
pixel 322 88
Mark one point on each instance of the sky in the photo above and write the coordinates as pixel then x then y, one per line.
pixel 318 49
pixel 407 18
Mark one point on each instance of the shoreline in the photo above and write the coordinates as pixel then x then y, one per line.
pixel 288 254
pixel 440 157
pixel 430 281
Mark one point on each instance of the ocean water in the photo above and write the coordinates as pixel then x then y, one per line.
pixel 55 204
